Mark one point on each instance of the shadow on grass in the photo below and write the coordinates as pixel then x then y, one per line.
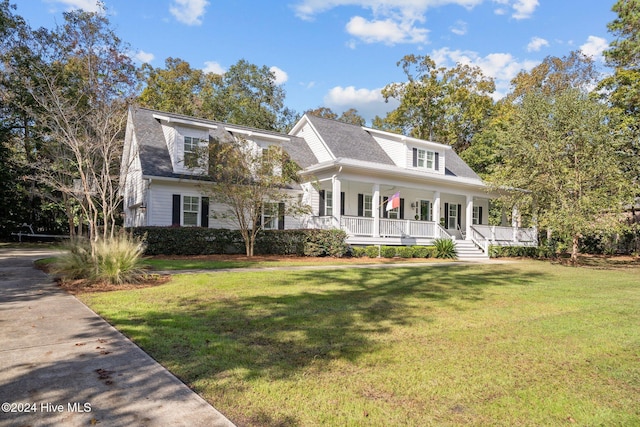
pixel 283 331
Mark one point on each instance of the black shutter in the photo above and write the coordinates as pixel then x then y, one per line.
pixel 479 214
pixel 401 209
pixel 360 204
pixel 204 214
pixel 446 215
pixel 280 216
pixel 437 161
pixel 342 199
pixel 321 206
pixel 175 216
pixel 385 213
pixel 459 215
pixel 415 157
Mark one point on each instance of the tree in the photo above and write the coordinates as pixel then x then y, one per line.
pixel 445 105
pixel 24 199
pixel 80 80
pixel 622 89
pixel 252 182
pixel 246 94
pixel 350 116
pixel 177 88
pixel 560 147
pixel 555 75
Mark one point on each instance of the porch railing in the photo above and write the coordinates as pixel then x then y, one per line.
pixel 506 236
pixel 357 225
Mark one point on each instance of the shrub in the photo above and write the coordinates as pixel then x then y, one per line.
pixel 75 262
pixel 205 241
pixel 405 252
pixel 519 251
pixel 358 251
pixel 388 251
pixel 114 261
pixel 324 242
pixel 445 248
pixel 422 251
pixel 118 260
pixel 372 251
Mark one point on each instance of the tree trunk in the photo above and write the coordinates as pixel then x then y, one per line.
pixel 574 249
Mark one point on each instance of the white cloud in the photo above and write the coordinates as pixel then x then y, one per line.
pixel 86 5
pixel 281 76
pixel 460 28
pixel 143 57
pixel 524 8
pixel 594 47
pixel 536 44
pixel 392 21
pixel 368 102
pixel 503 67
pixel 189 12
pixel 385 31
pixel 213 67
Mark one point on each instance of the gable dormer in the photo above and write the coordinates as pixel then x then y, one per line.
pixel 412 153
pixel 187 142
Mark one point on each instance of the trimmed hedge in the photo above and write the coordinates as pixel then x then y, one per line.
pixel 519 251
pixel 393 251
pixel 207 241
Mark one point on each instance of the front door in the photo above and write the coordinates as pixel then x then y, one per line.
pixel 425 210
pixel 453 216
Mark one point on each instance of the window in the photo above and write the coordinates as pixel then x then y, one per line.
pixel 328 203
pixel 424 159
pixel 190 210
pixel 270 216
pixel 368 206
pixel 477 215
pixel 191 151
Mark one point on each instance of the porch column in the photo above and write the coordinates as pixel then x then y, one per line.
pixel 337 200
pixel 375 207
pixel 469 217
pixel 436 207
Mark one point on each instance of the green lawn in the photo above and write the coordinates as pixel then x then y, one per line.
pixel 526 343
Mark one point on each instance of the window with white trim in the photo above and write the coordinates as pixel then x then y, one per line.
pixel 328 203
pixel 476 215
pixel 367 206
pixel 425 159
pixel 270 216
pixel 190 210
pixel 190 153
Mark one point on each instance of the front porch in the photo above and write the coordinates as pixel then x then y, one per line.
pixel 405 232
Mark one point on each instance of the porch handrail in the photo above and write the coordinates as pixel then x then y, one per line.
pixel 479 240
pixel 442 232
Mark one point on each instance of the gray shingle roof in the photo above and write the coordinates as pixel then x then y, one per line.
pixel 455 166
pixel 349 141
pixel 154 153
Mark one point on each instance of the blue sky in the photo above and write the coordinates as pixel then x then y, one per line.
pixel 340 53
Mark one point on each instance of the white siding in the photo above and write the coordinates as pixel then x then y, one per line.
pixel 395 150
pixel 170 138
pixel 315 143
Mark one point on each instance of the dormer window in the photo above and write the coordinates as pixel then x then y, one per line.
pixel 425 159
pixel 191 151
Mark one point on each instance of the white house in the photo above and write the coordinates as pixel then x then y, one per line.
pixel 349 174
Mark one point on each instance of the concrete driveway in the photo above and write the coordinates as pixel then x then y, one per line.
pixel 62 365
